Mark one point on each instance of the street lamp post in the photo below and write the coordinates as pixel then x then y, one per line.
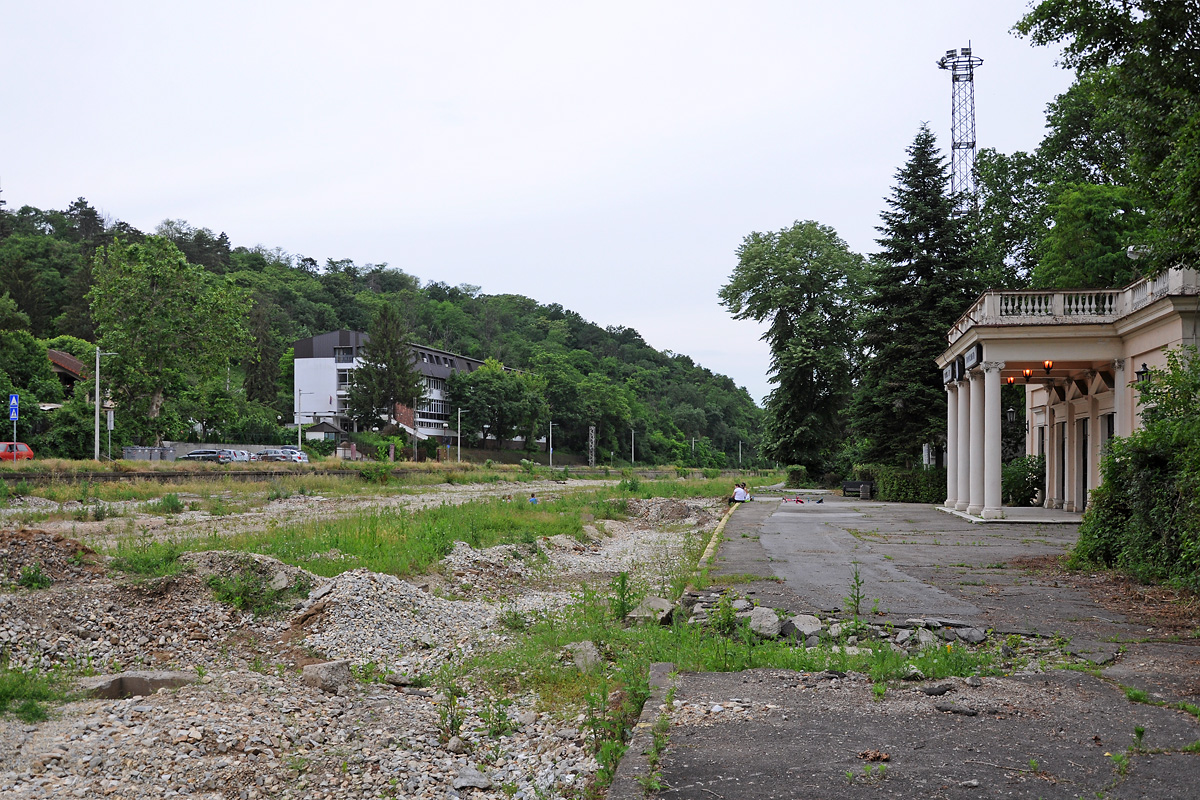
pixel 96 454
pixel 460 434
pixel 446 437
pixel 551 444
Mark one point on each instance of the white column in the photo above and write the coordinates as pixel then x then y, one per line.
pixel 951 445
pixel 1123 417
pixel 964 446
pixel 1093 449
pixel 992 454
pixel 1070 462
pixel 1052 465
pixel 975 500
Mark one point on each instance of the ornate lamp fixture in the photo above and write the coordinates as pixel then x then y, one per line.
pixel 1028 373
pixel 1142 374
pixel 1011 414
pixel 1049 365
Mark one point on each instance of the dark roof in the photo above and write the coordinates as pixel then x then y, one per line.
pixel 323 427
pixel 322 346
pixel 67 363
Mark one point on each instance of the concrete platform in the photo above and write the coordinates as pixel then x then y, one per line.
pixel 1023 516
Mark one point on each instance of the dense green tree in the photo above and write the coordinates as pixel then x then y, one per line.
pixel 498 402
pixel 388 374
pixel 35 271
pixel 262 363
pixel 170 324
pixel 918 284
pixel 1146 52
pixel 803 282
pixel 1086 246
pixel 12 318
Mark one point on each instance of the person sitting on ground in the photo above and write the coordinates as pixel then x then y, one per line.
pixel 740 495
pixel 746 491
pixel 533 499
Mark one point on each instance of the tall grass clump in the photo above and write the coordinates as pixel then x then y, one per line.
pixel 404 543
pixel 24 693
pixel 147 557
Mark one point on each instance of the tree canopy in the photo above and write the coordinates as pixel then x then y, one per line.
pixel 803 282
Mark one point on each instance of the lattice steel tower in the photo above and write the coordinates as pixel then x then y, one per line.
pixel 962 65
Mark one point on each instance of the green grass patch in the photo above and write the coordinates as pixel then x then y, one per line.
pixel 25 693
pixel 403 543
pixel 147 557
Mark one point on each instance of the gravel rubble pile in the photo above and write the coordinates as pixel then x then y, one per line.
pixel 250 727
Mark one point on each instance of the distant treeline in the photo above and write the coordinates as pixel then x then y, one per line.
pixel 46 269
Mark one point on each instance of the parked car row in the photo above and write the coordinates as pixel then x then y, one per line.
pixel 285 453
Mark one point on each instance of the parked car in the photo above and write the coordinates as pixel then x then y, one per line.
pixel 219 456
pixel 298 456
pixel 15 451
pixel 241 455
pixel 288 447
pixel 273 455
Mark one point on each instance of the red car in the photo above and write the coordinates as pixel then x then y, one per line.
pixel 15 451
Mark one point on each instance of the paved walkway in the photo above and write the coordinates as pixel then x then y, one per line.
pixel 791 735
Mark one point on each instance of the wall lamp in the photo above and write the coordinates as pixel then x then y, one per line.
pixel 1142 374
pixel 1028 373
pixel 1049 365
pixel 1011 380
pixel 1011 414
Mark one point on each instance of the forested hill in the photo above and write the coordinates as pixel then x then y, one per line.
pixel 46 269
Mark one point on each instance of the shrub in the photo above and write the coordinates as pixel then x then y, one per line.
pixel 376 473
pixel 1145 517
pixel 167 504
pixel 1021 479
pixel 797 476
pixel 711 473
pixel 32 577
pixel 920 485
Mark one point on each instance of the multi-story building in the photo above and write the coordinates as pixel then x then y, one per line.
pixel 324 369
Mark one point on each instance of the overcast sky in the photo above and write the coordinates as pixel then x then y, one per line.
pixel 608 156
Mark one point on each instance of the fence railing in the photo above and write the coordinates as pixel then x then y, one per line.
pixel 1057 307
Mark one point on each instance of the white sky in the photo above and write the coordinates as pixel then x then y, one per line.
pixel 608 156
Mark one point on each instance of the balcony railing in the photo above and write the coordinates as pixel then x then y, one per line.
pixel 1084 306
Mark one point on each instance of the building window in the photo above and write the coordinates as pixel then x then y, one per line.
pixel 345 377
pixel 343 355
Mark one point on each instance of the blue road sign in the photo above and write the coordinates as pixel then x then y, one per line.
pixel 14 406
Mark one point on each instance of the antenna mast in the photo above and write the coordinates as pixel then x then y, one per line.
pixel 962 65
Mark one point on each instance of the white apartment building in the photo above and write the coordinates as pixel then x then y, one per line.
pixel 325 364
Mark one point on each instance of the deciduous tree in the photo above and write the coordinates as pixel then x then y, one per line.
pixel 170 324
pixel 803 282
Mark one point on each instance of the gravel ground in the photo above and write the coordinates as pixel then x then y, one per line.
pixel 249 726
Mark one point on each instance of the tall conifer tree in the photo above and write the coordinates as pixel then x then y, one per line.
pixel 918 285
pixel 388 374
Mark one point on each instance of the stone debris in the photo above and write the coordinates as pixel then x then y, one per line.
pixel 249 725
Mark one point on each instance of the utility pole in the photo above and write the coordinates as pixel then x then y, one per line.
pixel 460 434
pixel 632 459
pixel 96 454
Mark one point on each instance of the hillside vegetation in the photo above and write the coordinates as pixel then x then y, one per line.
pixel 608 377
